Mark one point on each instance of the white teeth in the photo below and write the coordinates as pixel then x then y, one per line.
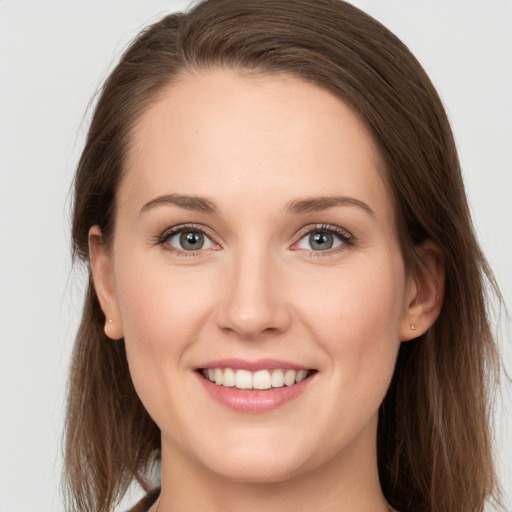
pixel 277 379
pixel 301 375
pixel 261 379
pixel 243 379
pixel 229 378
pixel 289 377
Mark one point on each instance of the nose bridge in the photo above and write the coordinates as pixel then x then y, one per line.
pixel 252 301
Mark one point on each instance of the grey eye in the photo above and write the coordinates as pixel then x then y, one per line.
pixel 321 240
pixel 190 240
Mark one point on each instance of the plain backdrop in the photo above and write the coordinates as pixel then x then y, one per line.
pixel 53 56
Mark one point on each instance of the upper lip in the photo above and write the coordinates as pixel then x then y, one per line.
pixel 253 366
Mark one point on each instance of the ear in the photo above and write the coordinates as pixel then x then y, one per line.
pixel 425 292
pixel 103 277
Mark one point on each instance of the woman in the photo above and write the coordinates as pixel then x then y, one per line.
pixel 286 305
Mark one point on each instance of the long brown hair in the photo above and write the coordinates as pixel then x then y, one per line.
pixel 434 450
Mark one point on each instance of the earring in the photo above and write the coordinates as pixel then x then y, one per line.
pixel 108 323
pixel 413 327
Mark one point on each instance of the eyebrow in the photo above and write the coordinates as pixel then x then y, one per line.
pixel 188 202
pixel 297 206
pixel 316 204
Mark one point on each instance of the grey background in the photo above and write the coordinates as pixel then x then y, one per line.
pixel 53 56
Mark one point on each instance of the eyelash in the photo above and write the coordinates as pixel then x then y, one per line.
pixel 346 239
pixel 176 230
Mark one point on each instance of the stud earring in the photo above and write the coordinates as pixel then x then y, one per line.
pixel 106 328
pixel 413 327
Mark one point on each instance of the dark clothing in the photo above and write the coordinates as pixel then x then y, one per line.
pixel 145 503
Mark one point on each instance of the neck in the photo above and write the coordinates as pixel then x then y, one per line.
pixel 347 482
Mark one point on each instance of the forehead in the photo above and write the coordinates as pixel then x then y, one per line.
pixel 228 134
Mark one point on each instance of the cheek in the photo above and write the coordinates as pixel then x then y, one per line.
pixel 160 305
pixel 366 298
pixel 162 312
pixel 146 311
pixel 355 317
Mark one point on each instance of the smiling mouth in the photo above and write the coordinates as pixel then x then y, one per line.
pixel 258 380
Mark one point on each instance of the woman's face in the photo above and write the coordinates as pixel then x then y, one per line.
pixel 255 242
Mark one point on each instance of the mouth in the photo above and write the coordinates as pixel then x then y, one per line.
pixel 264 379
pixel 255 386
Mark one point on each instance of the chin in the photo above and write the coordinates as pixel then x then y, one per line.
pixel 264 472
pixel 255 463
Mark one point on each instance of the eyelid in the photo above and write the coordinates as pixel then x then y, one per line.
pixel 174 230
pixel 347 238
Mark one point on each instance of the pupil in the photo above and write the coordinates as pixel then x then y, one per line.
pixel 321 241
pixel 191 241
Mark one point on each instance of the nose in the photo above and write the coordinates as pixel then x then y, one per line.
pixel 253 298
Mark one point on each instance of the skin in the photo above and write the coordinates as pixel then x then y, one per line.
pixel 252 144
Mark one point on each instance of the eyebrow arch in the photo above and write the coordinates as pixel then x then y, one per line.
pixel 316 204
pixel 188 202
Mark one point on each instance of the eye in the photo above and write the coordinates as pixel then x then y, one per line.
pixel 324 239
pixel 186 239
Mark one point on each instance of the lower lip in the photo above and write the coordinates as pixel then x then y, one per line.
pixel 251 400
